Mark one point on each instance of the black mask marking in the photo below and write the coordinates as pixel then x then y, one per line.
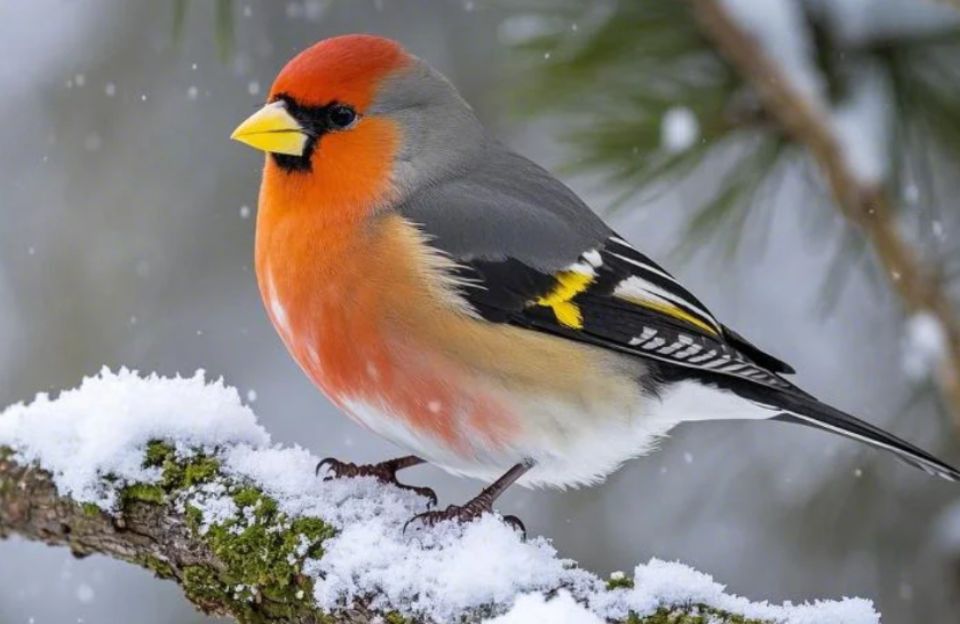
pixel 315 121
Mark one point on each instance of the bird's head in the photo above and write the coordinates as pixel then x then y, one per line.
pixel 358 110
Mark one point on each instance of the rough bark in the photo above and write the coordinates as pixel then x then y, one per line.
pixel 868 207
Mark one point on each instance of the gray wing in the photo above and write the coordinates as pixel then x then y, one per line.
pixel 505 206
pixel 538 257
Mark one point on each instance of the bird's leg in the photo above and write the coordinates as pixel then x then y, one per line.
pixel 384 472
pixel 481 504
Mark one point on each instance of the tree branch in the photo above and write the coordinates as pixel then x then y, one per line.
pixel 151 535
pixel 868 207
pixel 189 485
pixel 252 582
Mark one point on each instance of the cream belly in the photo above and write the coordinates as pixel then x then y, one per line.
pixel 572 443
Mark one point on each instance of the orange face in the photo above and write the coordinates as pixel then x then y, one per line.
pixel 325 147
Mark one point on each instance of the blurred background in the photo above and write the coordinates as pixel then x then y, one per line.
pixel 127 229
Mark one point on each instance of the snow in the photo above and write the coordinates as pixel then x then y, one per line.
pixel 103 427
pixel 924 345
pixel 780 29
pixel 562 609
pixel 448 571
pixel 437 574
pixel 862 124
pixel 85 593
pixel 679 129
pixel 659 583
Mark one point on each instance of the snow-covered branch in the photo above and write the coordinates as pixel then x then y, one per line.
pixel 761 43
pixel 175 475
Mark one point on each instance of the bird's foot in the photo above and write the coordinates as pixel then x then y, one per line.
pixel 384 472
pixel 463 514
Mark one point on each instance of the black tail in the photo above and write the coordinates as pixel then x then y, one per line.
pixel 806 410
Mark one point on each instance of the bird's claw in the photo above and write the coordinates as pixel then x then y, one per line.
pixel 384 472
pixel 517 525
pixel 337 469
pixel 463 514
pixel 420 490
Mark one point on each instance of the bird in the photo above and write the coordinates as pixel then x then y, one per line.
pixel 457 299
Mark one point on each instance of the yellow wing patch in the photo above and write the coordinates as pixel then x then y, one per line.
pixel 569 285
pixel 671 310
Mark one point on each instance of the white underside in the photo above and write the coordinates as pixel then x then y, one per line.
pixel 689 401
pixel 571 444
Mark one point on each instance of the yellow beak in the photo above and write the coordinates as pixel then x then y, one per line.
pixel 272 129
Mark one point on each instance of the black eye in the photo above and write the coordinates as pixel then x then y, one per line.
pixel 341 116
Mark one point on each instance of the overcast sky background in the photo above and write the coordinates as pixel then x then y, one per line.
pixel 126 239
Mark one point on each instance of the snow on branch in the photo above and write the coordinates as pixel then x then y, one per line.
pixel 176 475
pixel 764 42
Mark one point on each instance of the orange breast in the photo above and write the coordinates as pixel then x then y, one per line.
pixel 347 295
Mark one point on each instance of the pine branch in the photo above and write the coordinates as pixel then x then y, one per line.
pixel 866 206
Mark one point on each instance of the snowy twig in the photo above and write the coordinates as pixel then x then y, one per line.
pixel 175 475
pixel 863 201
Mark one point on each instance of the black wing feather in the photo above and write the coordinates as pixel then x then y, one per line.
pixel 754 353
pixel 507 292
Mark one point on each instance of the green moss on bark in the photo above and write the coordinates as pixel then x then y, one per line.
pixel 695 614
pixel 177 474
pixel 5 454
pixel 263 549
pixel 143 493
pixel 157 453
pixel 193 517
pixel 619 581
pixel 158 566
pixel 204 589
pixel 261 579
pixel 260 550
